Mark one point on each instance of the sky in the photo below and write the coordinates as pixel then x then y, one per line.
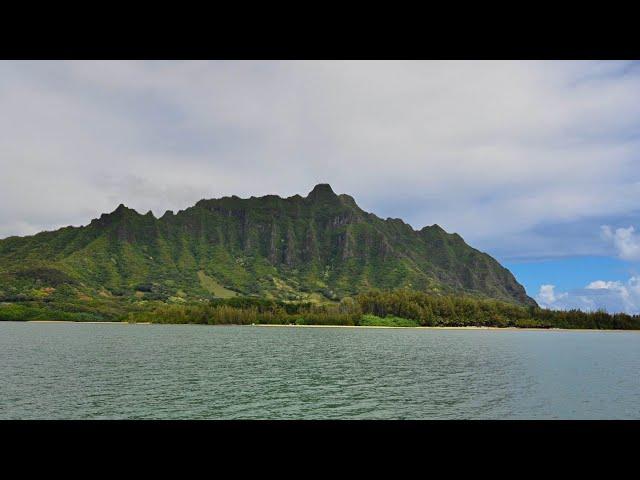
pixel 536 163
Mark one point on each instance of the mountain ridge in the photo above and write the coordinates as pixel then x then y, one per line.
pixel 321 247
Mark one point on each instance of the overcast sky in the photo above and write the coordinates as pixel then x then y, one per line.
pixel 534 162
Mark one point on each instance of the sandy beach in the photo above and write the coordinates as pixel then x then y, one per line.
pixel 449 328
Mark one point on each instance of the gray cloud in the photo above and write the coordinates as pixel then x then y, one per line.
pixel 492 150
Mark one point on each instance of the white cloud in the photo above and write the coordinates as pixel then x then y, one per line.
pixel 612 296
pixel 601 284
pixel 547 295
pixel 625 241
pixel 487 149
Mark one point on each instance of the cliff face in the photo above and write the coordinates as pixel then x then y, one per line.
pixel 322 246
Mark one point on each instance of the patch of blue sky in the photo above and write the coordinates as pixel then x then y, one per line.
pixel 570 272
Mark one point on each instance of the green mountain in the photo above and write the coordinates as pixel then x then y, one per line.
pixel 321 247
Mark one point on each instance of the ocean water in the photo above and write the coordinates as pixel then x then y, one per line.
pixel 89 371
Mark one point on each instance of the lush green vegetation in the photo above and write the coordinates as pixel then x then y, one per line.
pixel 247 311
pixel 318 248
pixel 461 311
pixel 369 320
pixel 398 308
pixel 20 312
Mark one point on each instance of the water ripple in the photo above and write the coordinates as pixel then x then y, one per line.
pixel 82 371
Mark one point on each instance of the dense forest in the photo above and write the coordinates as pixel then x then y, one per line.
pixel 401 308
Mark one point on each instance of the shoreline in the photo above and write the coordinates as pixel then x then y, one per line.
pixel 342 326
pixel 471 327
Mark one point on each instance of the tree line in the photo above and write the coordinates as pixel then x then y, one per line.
pixel 392 308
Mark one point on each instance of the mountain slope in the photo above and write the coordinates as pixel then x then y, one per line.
pixel 320 247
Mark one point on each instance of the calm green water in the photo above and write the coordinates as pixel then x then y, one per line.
pixel 76 371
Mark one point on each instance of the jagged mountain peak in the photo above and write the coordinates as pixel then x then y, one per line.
pixel 321 191
pixel 123 209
